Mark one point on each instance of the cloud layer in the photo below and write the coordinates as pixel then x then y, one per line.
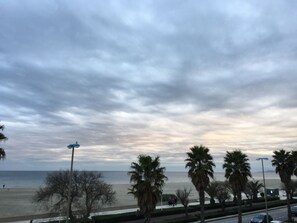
pixel 125 78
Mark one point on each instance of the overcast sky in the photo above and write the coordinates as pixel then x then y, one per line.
pixel 125 78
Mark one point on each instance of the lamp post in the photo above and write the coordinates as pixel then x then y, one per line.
pixel 265 193
pixel 70 146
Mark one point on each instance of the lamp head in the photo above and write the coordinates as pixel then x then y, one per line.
pixel 263 158
pixel 75 145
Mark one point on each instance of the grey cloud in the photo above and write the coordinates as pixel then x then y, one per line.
pixel 61 61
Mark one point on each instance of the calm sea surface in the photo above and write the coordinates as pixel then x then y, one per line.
pixel 34 179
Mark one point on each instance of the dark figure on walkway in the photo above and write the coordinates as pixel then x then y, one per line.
pixel 172 201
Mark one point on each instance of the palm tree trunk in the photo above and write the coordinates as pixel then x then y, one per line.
pixel 202 201
pixel 289 206
pixel 239 207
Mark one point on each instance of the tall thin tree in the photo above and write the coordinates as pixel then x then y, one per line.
pixel 237 172
pixel 200 164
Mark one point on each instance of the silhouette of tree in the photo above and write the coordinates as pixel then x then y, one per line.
pixel 200 171
pixel 147 178
pixel 89 192
pixel 237 171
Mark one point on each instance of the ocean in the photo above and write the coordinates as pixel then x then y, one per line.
pixel 35 179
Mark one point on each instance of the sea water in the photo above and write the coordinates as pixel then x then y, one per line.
pixel 35 179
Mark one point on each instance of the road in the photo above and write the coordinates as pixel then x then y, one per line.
pixel 276 213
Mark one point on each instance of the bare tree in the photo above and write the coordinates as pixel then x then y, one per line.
pixel 89 192
pixel 223 193
pixel 183 196
pixel 249 194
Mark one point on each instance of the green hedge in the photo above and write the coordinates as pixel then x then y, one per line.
pixel 232 209
pixel 114 218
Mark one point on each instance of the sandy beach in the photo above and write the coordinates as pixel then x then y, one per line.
pixel 16 202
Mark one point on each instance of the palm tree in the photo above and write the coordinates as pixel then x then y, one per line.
pixel 2 138
pixel 251 190
pixel 283 162
pixel 237 171
pixel 254 186
pixel 147 178
pixel 200 171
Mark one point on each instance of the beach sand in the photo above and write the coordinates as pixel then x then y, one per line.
pixel 17 202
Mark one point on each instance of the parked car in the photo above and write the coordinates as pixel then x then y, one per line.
pixel 261 218
pixel 294 211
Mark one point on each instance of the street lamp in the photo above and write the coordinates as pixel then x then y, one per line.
pixel 265 193
pixel 70 146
